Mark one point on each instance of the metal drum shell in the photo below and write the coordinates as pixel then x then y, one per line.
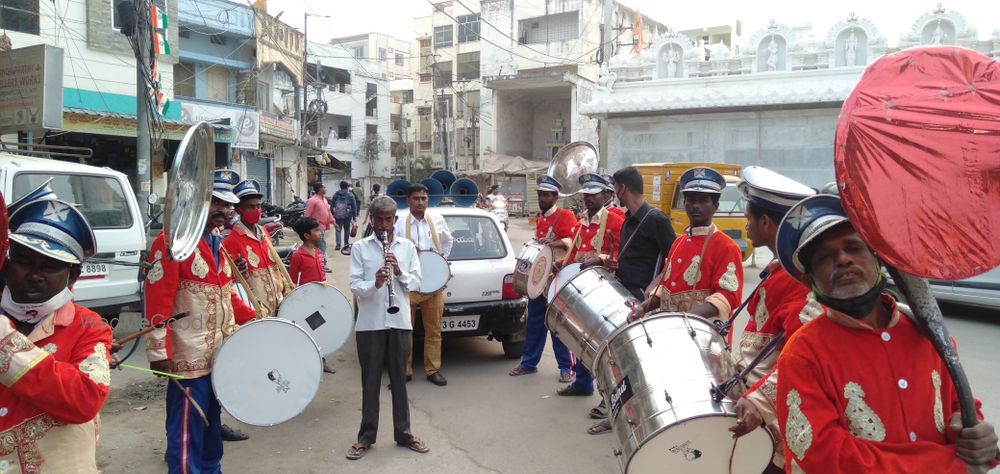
pixel 243 364
pixel 587 310
pixel 431 260
pixel 559 279
pixel 533 256
pixel 661 360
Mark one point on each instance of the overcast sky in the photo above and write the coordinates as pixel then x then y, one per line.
pixel 892 17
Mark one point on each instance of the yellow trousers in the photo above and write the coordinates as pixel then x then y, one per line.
pixel 431 310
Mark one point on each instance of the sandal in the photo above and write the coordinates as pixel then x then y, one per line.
pixel 573 391
pixel 358 451
pixel 598 413
pixel 600 428
pixel 416 445
pixel 566 376
pixel 516 371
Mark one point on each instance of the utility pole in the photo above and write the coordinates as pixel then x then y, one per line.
pixel 606 28
pixel 143 145
pixel 445 113
pixel 305 68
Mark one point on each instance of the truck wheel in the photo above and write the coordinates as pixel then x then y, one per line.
pixel 513 350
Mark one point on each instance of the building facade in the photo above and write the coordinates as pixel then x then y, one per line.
pixel 774 101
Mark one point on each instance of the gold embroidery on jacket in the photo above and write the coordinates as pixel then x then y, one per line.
pixel 51 348
pixel 729 282
pixel 156 272
pixel 938 406
pixel 23 440
pixel 811 310
pixel 10 347
pixel 96 365
pixel 199 266
pixel 761 315
pixel 798 431
pixel 252 258
pixel 861 419
pixel 693 272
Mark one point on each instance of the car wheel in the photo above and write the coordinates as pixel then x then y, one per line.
pixel 513 350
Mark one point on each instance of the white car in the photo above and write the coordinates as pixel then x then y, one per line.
pixel 981 290
pixel 480 299
pixel 105 197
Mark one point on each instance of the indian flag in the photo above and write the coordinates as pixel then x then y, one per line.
pixel 159 18
pixel 160 44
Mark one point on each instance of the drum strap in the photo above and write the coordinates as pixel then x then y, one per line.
pixel 721 391
pixel 599 237
pixel 701 258
pixel 430 225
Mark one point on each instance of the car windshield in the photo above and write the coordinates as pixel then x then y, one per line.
pixel 730 202
pixel 101 199
pixel 476 238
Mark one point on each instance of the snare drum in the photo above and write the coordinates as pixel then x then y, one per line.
pixel 588 308
pixel 533 269
pixel 267 372
pixel 435 272
pixel 323 312
pixel 656 375
pixel 566 274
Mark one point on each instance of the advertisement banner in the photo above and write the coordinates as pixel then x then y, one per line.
pixel 31 82
pixel 243 121
pixel 276 126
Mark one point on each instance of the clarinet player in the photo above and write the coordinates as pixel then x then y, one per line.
pixel 384 268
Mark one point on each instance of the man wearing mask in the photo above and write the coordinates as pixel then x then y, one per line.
pixel 201 287
pixel 861 388
pixel 429 232
pixel 55 376
pixel 318 208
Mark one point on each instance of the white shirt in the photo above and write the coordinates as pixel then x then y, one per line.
pixel 420 232
pixel 367 258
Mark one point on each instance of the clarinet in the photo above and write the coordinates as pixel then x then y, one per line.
pixel 384 238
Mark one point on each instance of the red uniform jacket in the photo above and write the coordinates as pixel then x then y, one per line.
pixel 265 278
pixel 590 241
pixel 852 398
pixel 698 273
pixel 307 267
pixel 197 287
pixel 55 381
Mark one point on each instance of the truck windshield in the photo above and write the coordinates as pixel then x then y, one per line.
pixel 101 199
pixel 730 202
pixel 476 238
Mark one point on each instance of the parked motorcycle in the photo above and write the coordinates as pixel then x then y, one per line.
pixel 499 209
pixel 293 212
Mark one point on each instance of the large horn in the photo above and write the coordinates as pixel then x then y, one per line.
pixel 189 191
pixel 397 190
pixel 572 161
pixel 436 191
pixel 447 178
pixel 464 192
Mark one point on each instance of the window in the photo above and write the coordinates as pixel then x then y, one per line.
pixel 359 52
pixel 468 28
pixel 343 132
pixel 408 123
pixel 468 66
pixel 263 94
pixel 101 199
pixel 425 43
pixel 442 36
pixel 443 104
pixel 184 32
pixel 425 146
pixel 371 100
pixel 425 77
pixel 381 54
pixel 399 59
pixel 442 76
pixel 551 28
pixel 408 97
pixel 468 104
pixel 730 202
pixel 184 79
pixel 19 15
pixel 476 238
pixel 216 84
pixel 218 39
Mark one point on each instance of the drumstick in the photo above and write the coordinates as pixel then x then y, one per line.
pixel 187 395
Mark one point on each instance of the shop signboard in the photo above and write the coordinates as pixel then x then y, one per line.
pixel 31 81
pixel 244 121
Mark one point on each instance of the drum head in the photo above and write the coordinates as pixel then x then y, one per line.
pixel 538 274
pixel 267 372
pixel 434 272
pixel 561 278
pixel 323 312
pixel 703 445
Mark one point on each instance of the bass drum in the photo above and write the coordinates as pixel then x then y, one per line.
pixel 267 372
pixel 435 272
pixel 657 375
pixel 533 269
pixel 323 312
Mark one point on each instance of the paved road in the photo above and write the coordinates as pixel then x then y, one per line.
pixel 483 421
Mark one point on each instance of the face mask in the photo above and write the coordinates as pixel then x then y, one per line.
pixel 857 307
pixel 33 312
pixel 250 217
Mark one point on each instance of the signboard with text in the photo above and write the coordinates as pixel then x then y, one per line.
pixel 243 121
pixel 31 82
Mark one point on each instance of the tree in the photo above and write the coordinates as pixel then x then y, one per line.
pixel 421 168
pixel 371 148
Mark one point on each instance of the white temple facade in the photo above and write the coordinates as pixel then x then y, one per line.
pixel 772 101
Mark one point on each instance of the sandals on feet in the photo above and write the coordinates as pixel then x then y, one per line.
pixel 358 451
pixel 598 413
pixel 516 371
pixel 566 376
pixel 416 445
pixel 600 428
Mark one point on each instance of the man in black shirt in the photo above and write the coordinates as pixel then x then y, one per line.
pixel 646 238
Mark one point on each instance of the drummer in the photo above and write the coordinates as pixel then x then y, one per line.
pixel 428 231
pixel 862 389
pixel 55 352
pixel 778 307
pixel 555 227
pixel 598 235
pixel 201 287
pixel 704 273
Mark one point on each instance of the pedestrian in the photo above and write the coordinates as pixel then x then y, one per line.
pixel 384 267
pixel 55 353
pixel 345 211
pixel 861 388
pixel 318 208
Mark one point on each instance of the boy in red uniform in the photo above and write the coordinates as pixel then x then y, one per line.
pixel 862 389
pixel 555 228
pixel 596 243
pixel 307 261
pixel 704 271
pixel 55 376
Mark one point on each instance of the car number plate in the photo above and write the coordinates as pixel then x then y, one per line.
pixel 94 270
pixel 460 323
